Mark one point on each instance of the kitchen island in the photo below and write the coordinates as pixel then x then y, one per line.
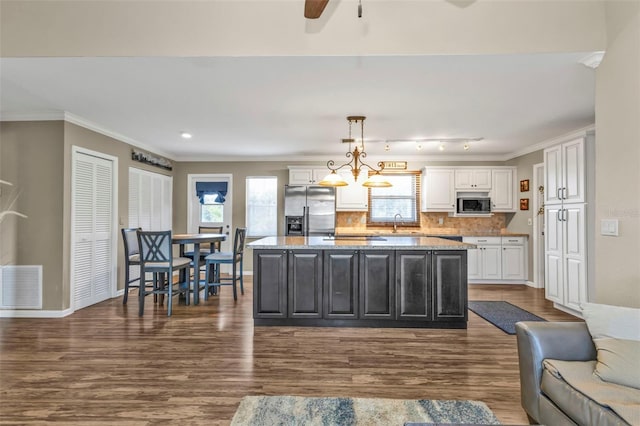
pixel 360 281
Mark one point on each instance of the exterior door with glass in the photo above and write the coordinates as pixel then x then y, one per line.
pixel 210 204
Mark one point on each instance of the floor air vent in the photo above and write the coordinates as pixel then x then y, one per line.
pixel 21 287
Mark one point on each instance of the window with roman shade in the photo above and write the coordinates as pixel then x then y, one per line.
pixel 211 192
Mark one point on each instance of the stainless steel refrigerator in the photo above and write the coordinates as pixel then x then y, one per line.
pixel 309 210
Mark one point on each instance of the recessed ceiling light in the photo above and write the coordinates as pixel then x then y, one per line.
pixel 186 135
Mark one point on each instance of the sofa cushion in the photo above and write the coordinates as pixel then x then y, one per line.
pixel 611 321
pixel 618 361
pixel 587 399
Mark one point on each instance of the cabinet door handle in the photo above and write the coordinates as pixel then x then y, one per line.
pixel 558 194
pixel 482 241
pixel 564 193
pixel 565 215
pixel 558 218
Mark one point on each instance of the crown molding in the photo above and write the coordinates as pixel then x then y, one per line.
pixel 33 116
pixel 550 142
pixel 82 122
pixel 592 60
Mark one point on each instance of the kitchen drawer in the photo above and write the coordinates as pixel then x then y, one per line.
pixel 483 240
pixel 513 241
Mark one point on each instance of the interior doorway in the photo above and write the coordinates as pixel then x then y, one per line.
pixel 538 225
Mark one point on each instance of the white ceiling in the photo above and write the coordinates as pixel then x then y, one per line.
pixel 278 108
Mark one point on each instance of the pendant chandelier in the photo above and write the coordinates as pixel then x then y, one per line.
pixel 355 162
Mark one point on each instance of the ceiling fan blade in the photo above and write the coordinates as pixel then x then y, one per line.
pixel 313 8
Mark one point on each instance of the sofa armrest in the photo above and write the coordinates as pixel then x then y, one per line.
pixel 568 341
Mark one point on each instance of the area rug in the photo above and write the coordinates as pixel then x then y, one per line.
pixel 297 410
pixel 503 315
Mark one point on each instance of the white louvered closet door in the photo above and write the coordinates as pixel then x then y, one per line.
pixel 92 228
pixel 150 202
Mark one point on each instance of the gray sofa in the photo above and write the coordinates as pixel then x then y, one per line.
pixel 546 395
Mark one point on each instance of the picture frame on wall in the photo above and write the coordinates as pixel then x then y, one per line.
pixel 524 185
pixel 524 204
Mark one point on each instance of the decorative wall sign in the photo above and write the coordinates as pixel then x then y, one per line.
pixel 147 158
pixel 524 185
pixel 524 204
pixel 395 165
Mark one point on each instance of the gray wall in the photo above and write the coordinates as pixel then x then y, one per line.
pixel 617 277
pixel 36 158
pixel 517 222
pixel 31 158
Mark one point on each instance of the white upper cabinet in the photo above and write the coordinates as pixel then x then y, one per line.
pixel 564 173
pixel 503 191
pixel 440 184
pixel 353 197
pixel 306 175
pixel 438 193
pixel 473 179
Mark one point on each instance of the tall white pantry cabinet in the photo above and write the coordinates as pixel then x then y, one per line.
pixel 566 224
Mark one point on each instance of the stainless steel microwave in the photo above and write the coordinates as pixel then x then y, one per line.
pixel 474 205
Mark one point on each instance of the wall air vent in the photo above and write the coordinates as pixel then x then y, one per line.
pixel 21 287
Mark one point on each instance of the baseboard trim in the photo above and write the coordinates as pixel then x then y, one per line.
pixel 567 310
pixel 500 282
pixel 27 313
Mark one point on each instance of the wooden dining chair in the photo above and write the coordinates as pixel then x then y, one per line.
pixel 205 248
pixel 236 259
pixel 131 258
pixel 156 255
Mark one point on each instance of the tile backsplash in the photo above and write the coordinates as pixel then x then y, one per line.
pixel 430 222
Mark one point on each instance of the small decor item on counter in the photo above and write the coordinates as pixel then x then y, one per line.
pixel 524 185
pixel 524 204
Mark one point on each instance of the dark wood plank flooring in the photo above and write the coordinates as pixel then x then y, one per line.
pixel 105 365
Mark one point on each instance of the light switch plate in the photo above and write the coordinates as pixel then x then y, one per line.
pixel 530 222
pixel 609 227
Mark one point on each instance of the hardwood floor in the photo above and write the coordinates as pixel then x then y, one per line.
pixel 105 365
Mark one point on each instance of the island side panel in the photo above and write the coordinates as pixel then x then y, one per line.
pixel 413 272
pixel 340 284
pixel 450 285
pixel 305 283
pixel 377 284
pixel 270 284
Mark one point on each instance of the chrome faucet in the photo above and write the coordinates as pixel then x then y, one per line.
pixel 395 222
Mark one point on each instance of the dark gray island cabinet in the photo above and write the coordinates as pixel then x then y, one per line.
pixel 398 282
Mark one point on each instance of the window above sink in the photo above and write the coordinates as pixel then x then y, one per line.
pixel 402 198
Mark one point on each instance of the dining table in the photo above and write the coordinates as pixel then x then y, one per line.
pixel 196 240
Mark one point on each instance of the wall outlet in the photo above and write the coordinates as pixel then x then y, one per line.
pixel 441 220
pixel 530 222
